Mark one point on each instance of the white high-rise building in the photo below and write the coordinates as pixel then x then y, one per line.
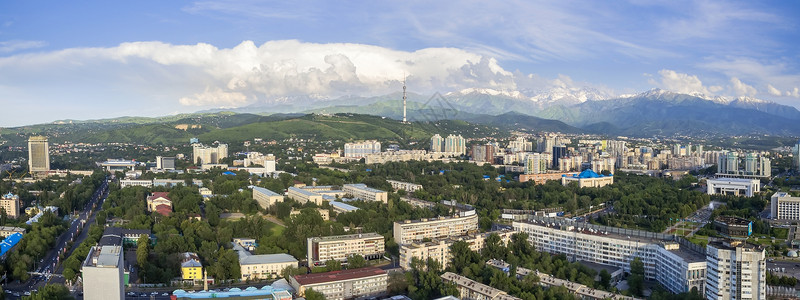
pixel 536 163
pixel 784 207
pixel 437 143
pixel 209 155
pixel 764 166
pixel 750 164
pixel 38 154
pixel 735 270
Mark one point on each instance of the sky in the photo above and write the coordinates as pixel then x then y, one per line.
pixel 103 59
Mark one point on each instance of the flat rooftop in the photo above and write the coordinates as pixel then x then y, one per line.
pixel 246 258
pixel 303 192
pixel 104 257
pixel 338 275
pixel 729 220
pixel 441 218
pixel 265 191
pixel 602 231
pixel 364 187
pixel 346 237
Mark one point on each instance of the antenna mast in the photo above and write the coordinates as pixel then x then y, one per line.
pixel 404 98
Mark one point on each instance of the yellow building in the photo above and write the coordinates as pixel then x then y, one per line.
pixel 191 268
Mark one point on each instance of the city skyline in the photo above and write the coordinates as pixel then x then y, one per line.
pixel 157 59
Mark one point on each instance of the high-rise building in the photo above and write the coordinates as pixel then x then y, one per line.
pixel 341 247
pixel 165 163
pixel 455 144
pixel 536 163
pixel 735 270
pixel 559 151
pixel 676 150
pixel 764 166
pixel 437 143
pixel 361 149
pixel 796 155
pixel 728 163
pixel 750 164
pixel 38 154
pixel 410 231
pixel 103 273
pixel 209 155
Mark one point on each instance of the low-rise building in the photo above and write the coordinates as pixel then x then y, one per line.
pixel 341 247
pixel 416 230
pixel 543 178
pixel 363 192
pixel 159 202
pixel 733 186
pixel 340 207
pixel 733 227
pixel 304 195
pixel 263 266
pixel 407 186
pixel 324 213
pixel 265 197
pixel 191 268
pixel 471 289
pixel 344 284
pixel 588 178
pixel 5 231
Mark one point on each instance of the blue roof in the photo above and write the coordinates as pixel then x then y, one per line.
pixel 10 242
pixel 588 173
pixel 228 173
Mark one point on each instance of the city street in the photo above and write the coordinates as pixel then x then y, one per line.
pixel 46 266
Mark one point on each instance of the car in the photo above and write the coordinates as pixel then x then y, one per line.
pixel 165 294
pixel 143 295
pixel 27 293
pixel 154 293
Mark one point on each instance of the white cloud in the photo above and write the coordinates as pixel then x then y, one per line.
pixel 682 83
pixel 740 88
pixel 204 75
pixel 16 45
pixel 216 97
pixel 773 91
pixel 793 93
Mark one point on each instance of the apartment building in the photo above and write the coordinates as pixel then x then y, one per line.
pixel 784 206
pixel 409 231
pixel 10 203
pixel 407 186
pixel 340 247
pixel 471 289
pixel 103 274
pixel 736 270
pixel 439 249
pixel 263 266
pixel 363 192
pixel 344 284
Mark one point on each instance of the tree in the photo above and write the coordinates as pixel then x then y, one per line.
pixel 356 261
pixel 51 292
pixel 333 265
pixel 636 279
pixel 313 295
pixel 142 250
pixel 605 279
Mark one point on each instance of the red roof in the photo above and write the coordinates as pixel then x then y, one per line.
pixel 338 275
pixel 157 195
pixel 164 209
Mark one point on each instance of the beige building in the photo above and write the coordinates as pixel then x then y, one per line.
pixel 5 231
pixel 265 197
pixel 471 289
pixel 156 199
pixel 410 231
pixel 736 270
pixel 363 192
pixel 10 203
pixel 784 206
pixel 588 178
pixel 324 213
pixel 340 247
pixel 38 154
pixel 264 266
pixel 209 155
pixel 344 284
pixel 439 249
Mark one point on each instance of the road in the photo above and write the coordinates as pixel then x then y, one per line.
pixel 50 262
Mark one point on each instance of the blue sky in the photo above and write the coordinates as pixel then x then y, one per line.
pixel 103 59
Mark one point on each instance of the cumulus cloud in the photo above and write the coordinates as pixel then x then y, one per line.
pixel 16 45
pixel 794 93
pixel 204 75
pixel 773 91
pixel 682 83
pixel 740 88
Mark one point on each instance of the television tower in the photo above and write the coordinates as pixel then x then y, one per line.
pixel 404 99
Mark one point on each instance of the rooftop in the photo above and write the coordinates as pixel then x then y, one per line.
pixel 364 187
pixel 588 173
pixel 343 206
pixel 246 258
pixel 441 218
pixel 104 257
pixel 346 237
pixel 9 242
pixel 265 191
pixel 338 275
pixel 157 195
pixel 303 191
pixel 730 220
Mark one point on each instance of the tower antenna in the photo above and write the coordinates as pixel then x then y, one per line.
pixel 404 98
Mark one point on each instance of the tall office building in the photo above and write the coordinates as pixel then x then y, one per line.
pixel 559 151
pixel 38 154
pixel 437 143
pixel 103 273
pixel 735 270
pixel 455 144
